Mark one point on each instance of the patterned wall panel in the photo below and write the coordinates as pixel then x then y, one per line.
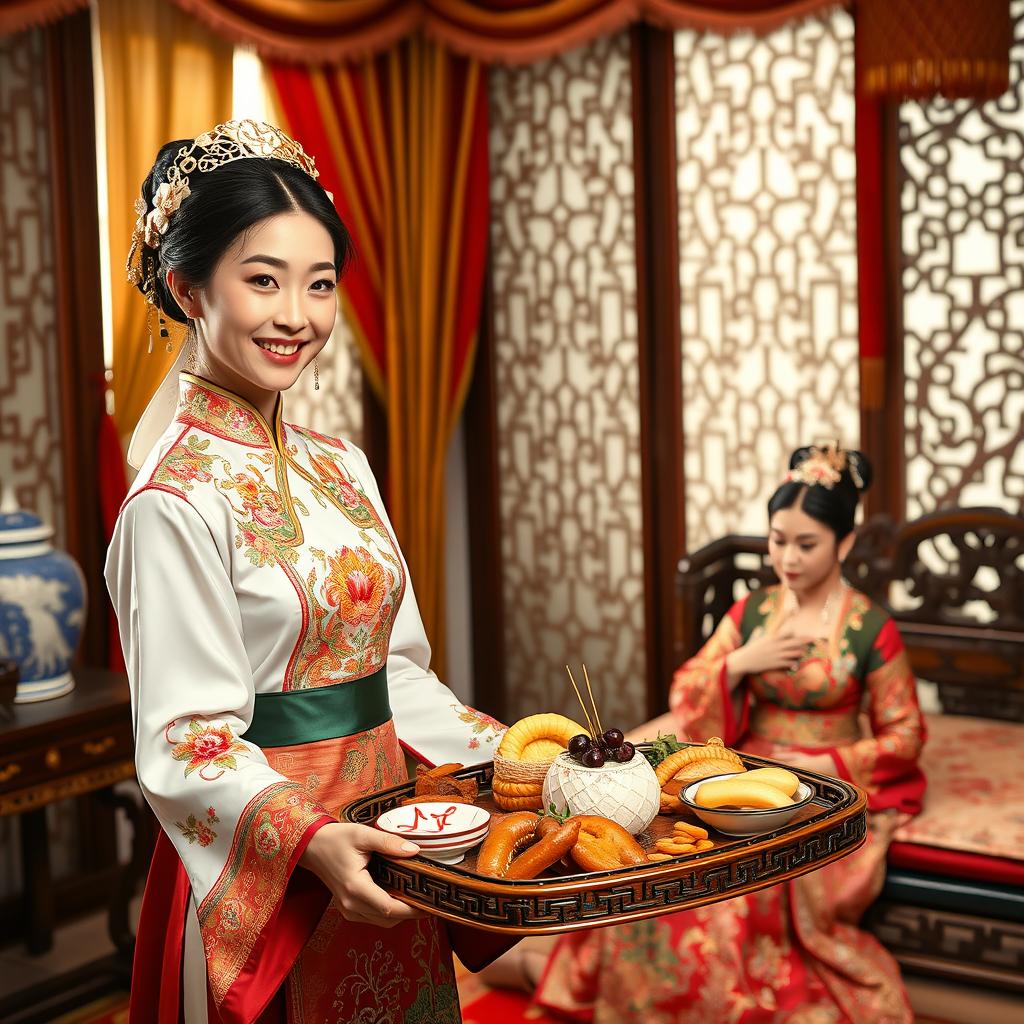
pixel 563 239
pixel 30 456
pixel 767 242
pixel 963 308
pixel 337 408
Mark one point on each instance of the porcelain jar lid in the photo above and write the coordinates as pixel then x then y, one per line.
pixel 18 526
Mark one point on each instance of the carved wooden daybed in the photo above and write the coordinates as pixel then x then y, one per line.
pixel 953 902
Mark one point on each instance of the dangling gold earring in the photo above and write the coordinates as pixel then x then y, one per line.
pixel 316 375
pixel 164 333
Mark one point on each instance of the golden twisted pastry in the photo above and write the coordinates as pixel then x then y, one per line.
pixel 692 764
pixel 713 751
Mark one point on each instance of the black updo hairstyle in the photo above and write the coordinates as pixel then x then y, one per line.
pixel 222 204
pixel 834 506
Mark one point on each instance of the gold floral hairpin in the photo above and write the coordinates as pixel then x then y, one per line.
pixel 222 144
pixel 824 467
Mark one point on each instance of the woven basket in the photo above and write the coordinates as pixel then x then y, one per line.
pixel 521 771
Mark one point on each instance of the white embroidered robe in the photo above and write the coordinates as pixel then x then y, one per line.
pixel 249 559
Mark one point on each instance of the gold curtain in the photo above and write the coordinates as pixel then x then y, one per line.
pixel 165 76
pixel 401 141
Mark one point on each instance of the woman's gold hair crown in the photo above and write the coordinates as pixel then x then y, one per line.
pixel 222 144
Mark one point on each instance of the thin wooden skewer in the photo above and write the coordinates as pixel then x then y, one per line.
pixel 597 715
pixel 583 706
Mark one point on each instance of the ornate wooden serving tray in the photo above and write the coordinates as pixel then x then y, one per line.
pixel 831 826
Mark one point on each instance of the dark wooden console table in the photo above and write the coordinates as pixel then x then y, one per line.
pixel 49 751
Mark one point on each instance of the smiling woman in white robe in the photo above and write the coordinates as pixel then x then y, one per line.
pixel 276 656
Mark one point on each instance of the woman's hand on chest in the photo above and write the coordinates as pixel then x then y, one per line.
pixel 780 652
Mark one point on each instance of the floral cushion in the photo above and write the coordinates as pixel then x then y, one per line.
pixel 975 797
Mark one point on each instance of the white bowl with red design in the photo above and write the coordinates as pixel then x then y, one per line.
pixel 444 831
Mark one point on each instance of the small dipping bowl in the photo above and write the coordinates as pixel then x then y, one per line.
pixel 444 831
pixel 752 822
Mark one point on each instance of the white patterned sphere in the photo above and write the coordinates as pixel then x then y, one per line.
pixel 628 793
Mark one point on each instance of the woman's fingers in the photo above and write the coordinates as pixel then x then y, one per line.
pixel 366 903
pixel 372 840
pixel 797 642
pixel 380 915
pixel 351 915
pixel 369 900
pixel 342 859
pixel 373 922
pixel 792 649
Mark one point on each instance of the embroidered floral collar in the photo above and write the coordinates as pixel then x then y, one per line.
pixel 224 414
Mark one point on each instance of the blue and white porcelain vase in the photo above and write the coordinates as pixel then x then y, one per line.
pixel 42 604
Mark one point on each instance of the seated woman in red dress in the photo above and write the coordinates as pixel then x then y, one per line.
pixel 786 675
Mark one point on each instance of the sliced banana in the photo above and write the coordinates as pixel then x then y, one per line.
pixel 739 792
pixel 780 778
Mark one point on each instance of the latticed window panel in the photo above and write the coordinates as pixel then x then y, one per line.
pixel 30 427
pixel 962 203
pixel 566 353
pixel 30 424
pixel 768 261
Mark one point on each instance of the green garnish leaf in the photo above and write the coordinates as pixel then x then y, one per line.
pixel 553 812
pixel 661 748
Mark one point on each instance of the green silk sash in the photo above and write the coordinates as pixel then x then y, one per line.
pixel 292 717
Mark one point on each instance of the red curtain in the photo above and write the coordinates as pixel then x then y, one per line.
pixel 17 15
pixel 507 31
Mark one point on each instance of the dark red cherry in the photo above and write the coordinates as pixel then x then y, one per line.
pixel 625 753
pixel 613 739
pixel 593 758
pixel 578 744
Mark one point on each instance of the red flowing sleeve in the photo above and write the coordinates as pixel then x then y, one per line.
pixel 700 698
pixel 886 763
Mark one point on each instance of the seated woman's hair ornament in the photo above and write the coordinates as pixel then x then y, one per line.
pixel 233 140
pixel 824 467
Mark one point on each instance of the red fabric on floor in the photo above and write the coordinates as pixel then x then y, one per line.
pixel 507 1007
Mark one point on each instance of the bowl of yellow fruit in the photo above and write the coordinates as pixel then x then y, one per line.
pixel 748 803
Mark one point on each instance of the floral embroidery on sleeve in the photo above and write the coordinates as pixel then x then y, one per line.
pixel 196 831
pixel 206 745
pixel 481 724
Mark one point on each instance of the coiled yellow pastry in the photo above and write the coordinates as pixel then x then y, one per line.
pixel 538 737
